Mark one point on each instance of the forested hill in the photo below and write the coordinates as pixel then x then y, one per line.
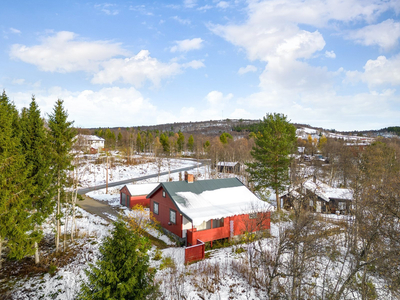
pixel 209 128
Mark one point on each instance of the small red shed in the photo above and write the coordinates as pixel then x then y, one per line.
pixel 208 210
pixel 135 194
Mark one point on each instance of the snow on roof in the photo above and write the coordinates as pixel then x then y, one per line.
pixel 141 189
pixel 227 163
pixel 220 203
pixel 327 192
pixel 91 137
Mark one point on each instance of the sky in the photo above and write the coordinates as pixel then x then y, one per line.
pixel 327 63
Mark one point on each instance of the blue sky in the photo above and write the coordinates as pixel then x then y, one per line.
pixel 333 64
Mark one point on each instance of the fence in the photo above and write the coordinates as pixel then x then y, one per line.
pixel 194 253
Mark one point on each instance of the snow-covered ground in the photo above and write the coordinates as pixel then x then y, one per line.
pixel 221 276
pixel 92 174
pixel 66 281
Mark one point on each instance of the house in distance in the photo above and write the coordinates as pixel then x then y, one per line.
pixel 321 197
pixel 136 194
pixel 89 143
pixel 208 210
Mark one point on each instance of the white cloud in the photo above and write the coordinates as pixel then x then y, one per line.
pixel 330 54
pixel 247 69
pixel 240 113
pixel 204 8
pixel 189 3
pixel 182 21
pixel 223 4
pixel 378 72
pixel 187 45
pixel 194 64
pixel 16 31
pixel 64 52
pixel 138 69
pixel 263 40
pixel 18 81
pixel 107 8
pixel 112 106
pixel 385 34
pixel 216 98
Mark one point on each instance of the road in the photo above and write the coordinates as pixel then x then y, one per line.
pixel 104 210
pixel 126 181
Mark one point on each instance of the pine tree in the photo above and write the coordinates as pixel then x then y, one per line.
pixel 61 136
pixel 15 221
pixel 122 272
pixel 190 143
pixel 36 148
pixel 274 141
pixel 180 141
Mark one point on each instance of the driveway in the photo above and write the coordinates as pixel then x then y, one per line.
pixel 98 208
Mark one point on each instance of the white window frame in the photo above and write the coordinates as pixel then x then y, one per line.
pixel 311 203
pixel 342 205
pixel 163 193
pixel 155 205
pixel 172 216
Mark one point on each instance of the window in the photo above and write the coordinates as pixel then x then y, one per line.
pixel 218 223
pixel 253 216
pixel 311 202
pixel 155 208
pixel 172 216
pixel 342 205
pixel 163 194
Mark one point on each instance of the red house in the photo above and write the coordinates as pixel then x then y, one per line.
pixel 208 210
pixel 134 194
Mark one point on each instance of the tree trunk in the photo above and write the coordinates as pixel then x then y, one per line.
pixel 58 213
pixel 65 229
pixel 1 252
pixel 36 253
pixel 278 200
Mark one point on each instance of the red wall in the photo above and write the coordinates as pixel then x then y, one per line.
pixel 139 200
pixel 134 200
pixel 194 253
pixel 241 224
pixel 164 205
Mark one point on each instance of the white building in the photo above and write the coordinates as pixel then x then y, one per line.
pixel 88 142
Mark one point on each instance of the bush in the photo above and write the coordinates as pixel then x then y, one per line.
pixel 167 262
pixel 52 269
pixel 157 255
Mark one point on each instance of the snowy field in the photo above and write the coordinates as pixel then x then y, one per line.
pixel 92 174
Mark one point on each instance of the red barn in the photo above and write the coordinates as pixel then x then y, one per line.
pixel 208 210
pixel 134 194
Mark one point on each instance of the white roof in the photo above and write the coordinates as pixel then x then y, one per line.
pixel 220 203
pixel 141 189
pixel 327 192
pixel 91 137
pixel 226 163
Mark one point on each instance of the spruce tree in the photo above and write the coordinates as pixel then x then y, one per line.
pixel 122 271
pixel 274 141
pixel 36 147
pixel 61 140
pixel 15 220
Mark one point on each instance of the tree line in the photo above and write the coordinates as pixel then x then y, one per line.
pixel 35 161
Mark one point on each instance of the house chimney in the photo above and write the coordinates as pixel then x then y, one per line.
pixel 189 178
